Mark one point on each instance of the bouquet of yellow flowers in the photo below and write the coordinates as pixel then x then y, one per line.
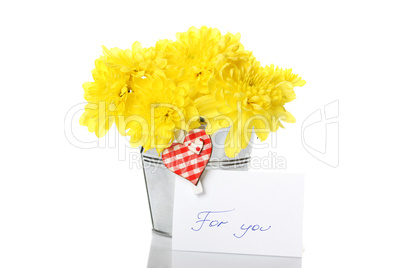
pixel 153 94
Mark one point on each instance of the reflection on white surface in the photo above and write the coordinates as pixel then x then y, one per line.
pixel 162 256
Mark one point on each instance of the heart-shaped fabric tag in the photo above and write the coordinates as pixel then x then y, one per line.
pixel 189 159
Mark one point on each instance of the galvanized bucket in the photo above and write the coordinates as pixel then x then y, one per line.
pixel 160 182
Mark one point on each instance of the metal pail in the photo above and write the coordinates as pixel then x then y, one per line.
pixel 160 182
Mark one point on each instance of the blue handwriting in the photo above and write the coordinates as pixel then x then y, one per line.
pixel 203 218
pixel 254 228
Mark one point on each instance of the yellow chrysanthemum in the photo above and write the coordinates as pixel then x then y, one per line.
pixel 138 61
pixel 113 76
pixel 246 96
pixel 106 97
pixel 153 93
pixel 196 54
pixel 161 109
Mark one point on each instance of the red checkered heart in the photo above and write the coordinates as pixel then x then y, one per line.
pixel 189 159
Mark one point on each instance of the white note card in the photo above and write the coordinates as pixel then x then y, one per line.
pixel 241 212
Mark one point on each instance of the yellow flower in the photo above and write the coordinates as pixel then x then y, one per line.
pixel 106 97
pixel 246 96
pixel 153 93
pixel 198 53
pixel 161 109
pixel 113 85
pixel 138 61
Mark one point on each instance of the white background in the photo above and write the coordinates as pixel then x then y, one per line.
pixel 63 206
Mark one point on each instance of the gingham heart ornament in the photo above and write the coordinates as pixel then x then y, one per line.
pixel 189 159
